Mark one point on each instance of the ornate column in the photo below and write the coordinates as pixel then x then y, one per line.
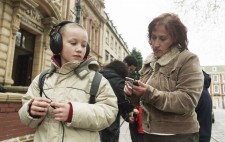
pixel 15 26
pixel 48 23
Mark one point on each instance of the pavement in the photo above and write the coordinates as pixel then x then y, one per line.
pixel 124 132
pixel 218 133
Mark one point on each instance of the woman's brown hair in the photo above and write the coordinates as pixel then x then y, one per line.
pixel 175 28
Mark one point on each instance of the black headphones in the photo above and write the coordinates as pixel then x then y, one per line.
pixel 56 41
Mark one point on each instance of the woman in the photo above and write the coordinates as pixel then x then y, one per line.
pixel 170 84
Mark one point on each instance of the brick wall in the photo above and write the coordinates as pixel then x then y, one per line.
pixel 10 125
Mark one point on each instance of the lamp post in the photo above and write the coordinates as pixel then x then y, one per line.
pixel 78 9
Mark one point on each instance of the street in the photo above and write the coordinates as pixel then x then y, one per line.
pixel 218 131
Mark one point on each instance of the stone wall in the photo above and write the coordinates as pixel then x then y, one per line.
pixel 11 129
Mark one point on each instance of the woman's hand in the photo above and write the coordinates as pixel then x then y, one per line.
pixel 138 90
pixel 61 111
pixel 39 106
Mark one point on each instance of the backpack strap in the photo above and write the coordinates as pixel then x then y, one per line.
pixel 94 87
pixel 42 80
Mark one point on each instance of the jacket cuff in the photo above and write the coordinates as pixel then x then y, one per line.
pixel 69 118
pixel 148 94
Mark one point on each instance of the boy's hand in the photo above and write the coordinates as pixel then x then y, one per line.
pixel 61 111
pixel 39 107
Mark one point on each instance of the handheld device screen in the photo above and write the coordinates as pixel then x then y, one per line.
pixel 133 81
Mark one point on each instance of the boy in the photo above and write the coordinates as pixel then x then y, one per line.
pixel 64 113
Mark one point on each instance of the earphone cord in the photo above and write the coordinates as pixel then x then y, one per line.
pixel 122 124
pixel 63 129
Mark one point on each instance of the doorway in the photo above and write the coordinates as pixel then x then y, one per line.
pixel 23 58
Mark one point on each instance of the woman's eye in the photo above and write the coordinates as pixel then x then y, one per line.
pixel 153 37
pixel 162 38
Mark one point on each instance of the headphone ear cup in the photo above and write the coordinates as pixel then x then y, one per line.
pixel 56 43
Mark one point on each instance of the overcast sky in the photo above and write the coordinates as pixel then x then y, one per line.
pixel 131 19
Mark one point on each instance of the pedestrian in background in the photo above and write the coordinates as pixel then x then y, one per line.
pixel 170 84
pixel 131 63
pixel 135 119
pixel 64 113
pixel 204 111
pixel 115 72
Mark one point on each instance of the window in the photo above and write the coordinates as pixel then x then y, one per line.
pixel 23 58
pixel 214 69
pixel 223 77
pixel 111 42
pixel 116 47
pixel 216 89
pixel 215 78
pixel 119 51
pixel 107 37
pixel 106 56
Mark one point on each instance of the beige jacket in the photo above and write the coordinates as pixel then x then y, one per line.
pixel 72 84
pixel 175 85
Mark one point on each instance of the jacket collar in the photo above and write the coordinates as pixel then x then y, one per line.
pixel 85 67
pixel 165 59
pixel 80 68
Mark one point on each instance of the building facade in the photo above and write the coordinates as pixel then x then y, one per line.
pixel 24 48
pixel 114 45
pixel 24 35
pixel 217 87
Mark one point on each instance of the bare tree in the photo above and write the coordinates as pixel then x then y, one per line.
pixel 202 11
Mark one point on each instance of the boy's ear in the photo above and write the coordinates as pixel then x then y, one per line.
pixel 56 37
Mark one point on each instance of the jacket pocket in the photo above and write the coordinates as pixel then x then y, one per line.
pixel 145 73
pixel 168 78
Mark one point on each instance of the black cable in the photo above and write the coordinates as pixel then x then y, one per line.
pixel 122 123
pixel 63 129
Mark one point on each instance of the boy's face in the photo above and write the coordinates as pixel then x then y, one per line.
pixel 74 44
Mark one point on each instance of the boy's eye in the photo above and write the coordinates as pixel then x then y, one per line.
pixel 73 43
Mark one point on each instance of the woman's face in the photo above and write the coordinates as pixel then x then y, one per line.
pixel 160 41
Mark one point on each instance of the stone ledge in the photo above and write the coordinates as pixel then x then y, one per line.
pixel 10 97
pixel 26 138
pixel 16 89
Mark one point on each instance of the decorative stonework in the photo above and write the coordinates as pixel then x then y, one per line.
pixel 16 19
pixel 34 14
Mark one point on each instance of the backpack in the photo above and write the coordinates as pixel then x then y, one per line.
pixel 94 86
